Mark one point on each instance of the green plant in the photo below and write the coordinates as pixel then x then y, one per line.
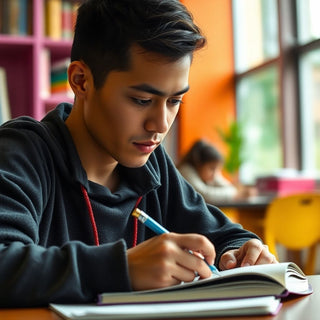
pixel 233 138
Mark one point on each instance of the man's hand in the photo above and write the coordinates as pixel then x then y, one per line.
pixel 251 253
pixel 164 260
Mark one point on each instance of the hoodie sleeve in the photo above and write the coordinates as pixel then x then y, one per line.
pixel 33 276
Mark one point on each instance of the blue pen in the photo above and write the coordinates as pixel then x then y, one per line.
pixel 159 229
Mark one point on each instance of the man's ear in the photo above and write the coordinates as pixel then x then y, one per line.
pixel 78 75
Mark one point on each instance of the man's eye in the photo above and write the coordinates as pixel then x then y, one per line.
pixel 141 102
pixel 175 102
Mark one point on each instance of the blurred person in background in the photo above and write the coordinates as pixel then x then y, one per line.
pixel 202 167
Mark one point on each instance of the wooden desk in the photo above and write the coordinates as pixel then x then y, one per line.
pixel 307 307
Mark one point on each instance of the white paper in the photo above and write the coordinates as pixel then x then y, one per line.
pixel 250 306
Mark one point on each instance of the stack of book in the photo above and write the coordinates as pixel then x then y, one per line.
pixel 15 17
pixel 285 185
pixel 59 78
pixel 253 290
pixel 60 17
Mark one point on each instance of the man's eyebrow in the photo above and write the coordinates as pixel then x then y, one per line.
pixel 149 89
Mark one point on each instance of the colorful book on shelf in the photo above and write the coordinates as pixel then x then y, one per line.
pixel 277 280
pixel 5 16
pixel 59 83
pixel 24 17
pixel 13 11
pixel 14 16
pixel 67 27
pixel 59 78
pixel 69 9
pixel 60 18
pixel 236 307
pixel 53 18
pixel 2 18
pixel 45 81
pixel 5 113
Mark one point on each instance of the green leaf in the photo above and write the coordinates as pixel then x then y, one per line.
pixel 233 138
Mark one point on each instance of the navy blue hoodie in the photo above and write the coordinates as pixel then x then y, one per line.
pixel 47 250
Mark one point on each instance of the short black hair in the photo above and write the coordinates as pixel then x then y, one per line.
pixel 201 152
pixel 106 30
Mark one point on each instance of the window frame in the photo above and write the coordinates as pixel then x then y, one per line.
pixel 287 63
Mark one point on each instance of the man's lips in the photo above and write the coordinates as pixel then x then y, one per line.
pixel 146 146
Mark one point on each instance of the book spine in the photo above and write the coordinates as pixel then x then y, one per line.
pixel 62 64
pixel 66 20
pixel 29 17
pixel 5 17
pixel 53 18
pixel 5 113
pixel 23 17
pixel 13 7
pixel 1 15
pixel 59 78
pixel 45 73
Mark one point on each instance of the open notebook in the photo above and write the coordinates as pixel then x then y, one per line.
pixel 277 280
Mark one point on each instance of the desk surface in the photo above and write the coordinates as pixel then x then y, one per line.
pixel 307 307
pixel 247 203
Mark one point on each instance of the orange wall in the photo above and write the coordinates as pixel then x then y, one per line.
pixel 210 103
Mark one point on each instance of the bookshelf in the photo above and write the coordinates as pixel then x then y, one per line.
pixel 22 58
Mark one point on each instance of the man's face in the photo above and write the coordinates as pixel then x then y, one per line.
pixel 131 114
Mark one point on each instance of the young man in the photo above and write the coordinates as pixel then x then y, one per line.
pixel 70 182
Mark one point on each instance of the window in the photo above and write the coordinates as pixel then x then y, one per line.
pixel 310 110
pixel 308 20
pixel 277 62
pixel 256 32
pixel 258 95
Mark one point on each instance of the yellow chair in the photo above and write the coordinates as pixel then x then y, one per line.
pixel 294 222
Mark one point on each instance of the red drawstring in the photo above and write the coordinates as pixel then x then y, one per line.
pixel 135 226
pixel 93 222
pixel 90 211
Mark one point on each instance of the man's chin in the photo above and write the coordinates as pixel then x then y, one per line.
pixel 137 164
